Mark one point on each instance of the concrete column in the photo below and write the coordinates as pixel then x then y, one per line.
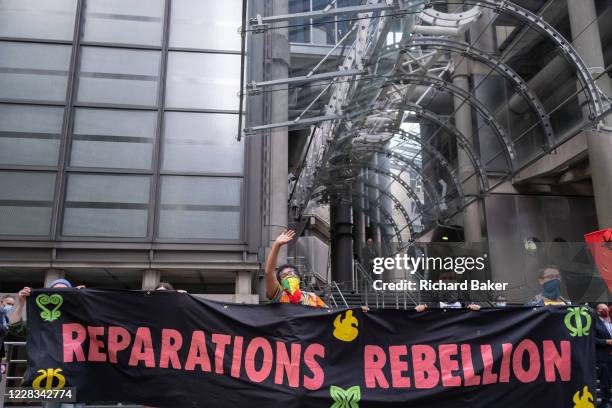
pixel 341 242
pixel 53 274
pixel 384 183
pixel 243 288
pixel 358 220
pixel 588 44
pixel 377 232
pixel 275 169
pixel 472 214
pixel 278 144
pixel 150 278
pixel 463 122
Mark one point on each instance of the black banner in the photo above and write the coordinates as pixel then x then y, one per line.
pixel 169 349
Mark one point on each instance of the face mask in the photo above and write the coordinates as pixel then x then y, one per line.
pixel 291 284
pixel 500 304
pixel 603 313
pixel 8 308
pixel 552 289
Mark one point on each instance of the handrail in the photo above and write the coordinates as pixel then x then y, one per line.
pixel 368 279
pixel 340 292
pixel 331 295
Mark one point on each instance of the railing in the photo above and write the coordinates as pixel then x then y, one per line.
pixel 11 348
pixel 367 282
pixel 340 292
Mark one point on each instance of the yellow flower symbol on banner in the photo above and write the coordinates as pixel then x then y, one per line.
pixel 49 375
pixel 584 401
pixel 346 329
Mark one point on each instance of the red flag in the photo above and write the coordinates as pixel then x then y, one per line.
pixel 600 244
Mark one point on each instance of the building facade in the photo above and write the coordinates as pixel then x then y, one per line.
pixel 147 140
pixel 120 163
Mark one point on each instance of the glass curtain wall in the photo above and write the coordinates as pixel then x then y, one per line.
pixel 118 120
pixel 320 30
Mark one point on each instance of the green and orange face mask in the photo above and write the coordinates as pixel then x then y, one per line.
pixel 291 285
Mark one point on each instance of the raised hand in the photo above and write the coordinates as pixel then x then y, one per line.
pixel 24 293
pixel 285 237
pixel 420 308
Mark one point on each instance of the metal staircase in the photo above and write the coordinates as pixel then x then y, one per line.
pixel 360 292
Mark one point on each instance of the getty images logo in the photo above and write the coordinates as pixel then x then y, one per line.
pixel 459 264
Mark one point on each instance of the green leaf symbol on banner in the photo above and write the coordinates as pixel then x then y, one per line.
pixel 574 322
pixel 348 398
pixel 47 314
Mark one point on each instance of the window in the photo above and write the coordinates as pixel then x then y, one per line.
pixel 194 78
pixel 321 30
pixel 113 138
pixel 118 76
pixel 113 130
pixel 48 20
pixel 26 202
pixel 301 31
pixel 33 71
pixel 200 208
pixel 202 142
pixel 124 21
pixel 106 205
pixel 30 135
pixel 206 24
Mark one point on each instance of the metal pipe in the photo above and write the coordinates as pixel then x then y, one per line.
pixel 242 66
pixel 312 71
pixel 435 30
pixel 259 20
pixel 341 295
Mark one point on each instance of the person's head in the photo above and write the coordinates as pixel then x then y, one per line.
pixel 7 300
pixel 450 293
pixel 602 310
pixel 447 276
pixel 7 303
pixel 548 273
pixel 370 242
pixel 164 286
pixel 550 279
pixel 288 277
pixel 500 301
pixel 60 283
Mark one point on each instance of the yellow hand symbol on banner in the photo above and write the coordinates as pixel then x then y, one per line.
pixel 586 401
pixel 346 329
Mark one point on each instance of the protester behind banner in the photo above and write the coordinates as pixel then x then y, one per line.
pixel 500 301
pixel 221 354
pixel 450 298
pixel 549 278
pixel 603 342
pixel 369 253
pixel 16 319
pixel 6 306
pixel 284 285
pixel 168 286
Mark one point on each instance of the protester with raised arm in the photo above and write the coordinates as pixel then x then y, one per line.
pixel 283 283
